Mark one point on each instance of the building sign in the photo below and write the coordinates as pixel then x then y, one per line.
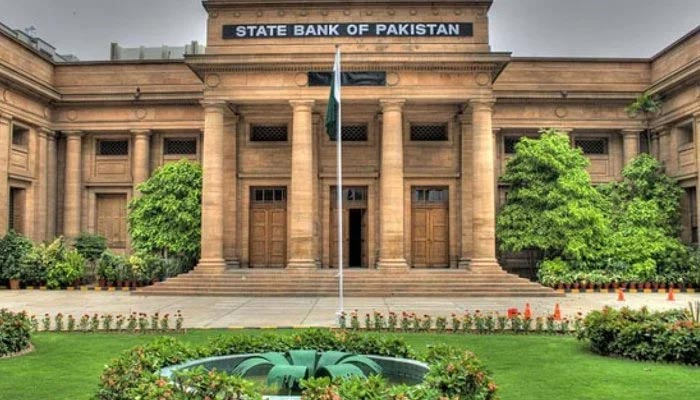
pixel 428 29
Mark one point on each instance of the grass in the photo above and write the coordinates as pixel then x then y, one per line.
pixel 67 366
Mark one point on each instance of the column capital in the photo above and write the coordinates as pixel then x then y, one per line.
pixel 46 132
pixel 392 104
pixel 141 133
pixel 631 131
pixel 213 105
pixel 73 134
pixel 662 130
pixel 482 104
pixel 302 105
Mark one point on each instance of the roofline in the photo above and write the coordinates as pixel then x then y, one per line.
pixel 119 62
pixel 671 46
pixel 210 4
pixel 583 59
pixel 28 47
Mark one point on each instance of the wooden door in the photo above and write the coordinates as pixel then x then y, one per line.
pixel 429 228
pixel 268 228
pixel 16 207
pixel 334 238
pixel 111 219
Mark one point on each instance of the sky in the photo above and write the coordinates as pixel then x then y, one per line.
pixel 574 28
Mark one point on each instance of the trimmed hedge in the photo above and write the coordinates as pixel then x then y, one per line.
pixel 668 336
pixel 15 330
pixel 135 374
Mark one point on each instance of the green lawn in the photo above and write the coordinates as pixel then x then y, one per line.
pixel 67 366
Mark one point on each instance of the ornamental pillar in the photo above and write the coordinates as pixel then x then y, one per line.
pixel 301 196
pixel 5 140
pixel 52 177
pixel 212 257
pixel 73 185
pixel 141 161
pixel 466 200
pixel 391 187
pixel 231 191
pixel 483 188
pixel 42 189
pixel 697 169
pixel 630 145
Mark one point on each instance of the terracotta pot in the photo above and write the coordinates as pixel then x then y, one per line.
pixel 119 284
pixel 102 283
pixel 662 285
pixel 615 285
pixel 567 286
pixel 647 285
pixel 606 286
pixel 560 286
pixel 14 284
pixel 654 286
pixel 576 285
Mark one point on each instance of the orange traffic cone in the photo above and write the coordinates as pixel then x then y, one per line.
pixel 528 312
pixel 620 295
pixel 671 296
pixel 557 312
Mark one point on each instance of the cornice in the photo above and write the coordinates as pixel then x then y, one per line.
pixel 223 4
pixel 28 85
pixel 682 77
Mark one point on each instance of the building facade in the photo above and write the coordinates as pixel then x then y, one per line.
pixel 430 117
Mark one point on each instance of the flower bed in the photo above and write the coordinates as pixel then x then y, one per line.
pixel 668 336
pixel 15 331
pixel 136 374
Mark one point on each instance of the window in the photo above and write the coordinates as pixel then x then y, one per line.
pixel 430 195
pixel 365 78
pixel 20 136
pixel 350 194
pixel 509 143
pixel 268 195
pixel 112 147
pixel 268 133
pixel 685 133
pixel 180 146
pixel 429 133
pixel 693 214
pixel 354 133
pixel 592 146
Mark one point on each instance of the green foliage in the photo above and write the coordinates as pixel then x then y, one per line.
pixel 41 259
pixel 199 383
pixel 90 246
pixel 166 218
pixel 646 104
pixel 13 248
pixel 15 331
pixel 66 271
pixel 551 205
pixel 459 373
pixel 642 335
pixel 110 264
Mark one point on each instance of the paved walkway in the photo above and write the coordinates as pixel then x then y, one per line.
pixel 226 312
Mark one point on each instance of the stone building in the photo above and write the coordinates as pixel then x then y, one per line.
pixel 431 116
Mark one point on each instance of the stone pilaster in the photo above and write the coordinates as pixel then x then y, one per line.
pixel 467 233
pixel 231 191
pixel 51 195
pixel 301 196
pixel 5 140
pixel 73 185
pixel 483 188
pixel 391 188
pixel 697 168
pixel 212 257
pixel 42 188
pixel 141 160
pixel 630 145
pixel 664 145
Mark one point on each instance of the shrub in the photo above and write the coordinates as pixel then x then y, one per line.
pixel 110 265
pixel 66 271
pixel 134 375
pixel 15 329
pixel 90 246
pixel 40 259
pixel 642 335
pixel 13 248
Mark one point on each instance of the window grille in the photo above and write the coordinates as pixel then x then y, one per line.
pixel 429 133
pixel 20 136
pixel 354 133
pixel 592 146
pixel 430 195
pixel 268 195
pixel 509 143
pixel 350 193
pixel 180 146
pixel 113 148
pixel 267 133
pixel 685 133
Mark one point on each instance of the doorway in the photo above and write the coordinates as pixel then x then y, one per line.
pixel 354 228
pixel 429 220
pixel 355 236
pixel 268 227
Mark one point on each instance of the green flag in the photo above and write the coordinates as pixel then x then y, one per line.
pixel 334 100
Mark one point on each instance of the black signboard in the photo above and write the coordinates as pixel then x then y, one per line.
pixel 365 78
pixel 389 29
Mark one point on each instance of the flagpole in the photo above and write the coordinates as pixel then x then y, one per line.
pixel 339 190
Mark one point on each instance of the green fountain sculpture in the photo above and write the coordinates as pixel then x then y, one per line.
pixel 288 369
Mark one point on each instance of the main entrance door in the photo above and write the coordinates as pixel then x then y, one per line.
pixel 429 222
pixel 111 219
pixel 354 227
pixel 268 227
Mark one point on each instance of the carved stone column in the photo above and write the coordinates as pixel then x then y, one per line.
pixel 391 188
pixel 73 185
pixel 483 188
pixel 212 257
pixel 664 140
pixel 231 234
pixel 52 177
pixel 5 141
pixel 630 145
pixel 42 189
pixel 467 233
pixel 697 168
pixel 141 161
pixel 301 196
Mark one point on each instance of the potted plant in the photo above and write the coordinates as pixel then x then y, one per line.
pixel 13 249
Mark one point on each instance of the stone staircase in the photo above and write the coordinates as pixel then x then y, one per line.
pixel 357 283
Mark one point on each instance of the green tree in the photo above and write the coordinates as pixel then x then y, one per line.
pixel 551 205
pixel 648 107
pixel 166 218
pixel 13 248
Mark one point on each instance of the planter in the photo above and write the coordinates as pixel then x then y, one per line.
pixel 102 283
pixel 560 286
pixel 14 284
pixel 647 285
pixel 576 285
pixel 119 284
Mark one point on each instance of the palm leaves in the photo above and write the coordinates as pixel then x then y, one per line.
pixel 288 369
